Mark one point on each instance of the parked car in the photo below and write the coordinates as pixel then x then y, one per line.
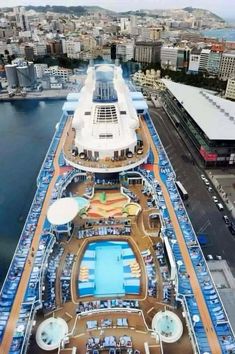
pixel 209 257
pixel 226 219
pixel 207 183
pixel 219 258
pixel 210 189
pixel 203 177
pixel 215 199
pixel 220 206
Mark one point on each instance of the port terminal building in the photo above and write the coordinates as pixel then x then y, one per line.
pixel 207 120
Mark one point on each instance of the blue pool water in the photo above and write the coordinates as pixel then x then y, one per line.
pixel 109 271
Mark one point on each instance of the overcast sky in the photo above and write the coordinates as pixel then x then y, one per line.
pixel 224 8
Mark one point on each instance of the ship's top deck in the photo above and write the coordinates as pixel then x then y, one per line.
pixel 132 222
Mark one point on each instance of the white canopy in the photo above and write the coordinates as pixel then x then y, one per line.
pixel 62 211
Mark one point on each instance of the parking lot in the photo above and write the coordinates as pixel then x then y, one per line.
pixel 202 209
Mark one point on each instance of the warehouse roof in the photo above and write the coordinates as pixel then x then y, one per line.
pixel 214 115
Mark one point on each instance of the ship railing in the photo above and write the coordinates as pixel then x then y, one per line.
pixel 37 302
pixel 35 306
pixel 54 143
pixel 195 238
pixel 162 147
pixel 189 324
pixel 20 239
pixel 104 164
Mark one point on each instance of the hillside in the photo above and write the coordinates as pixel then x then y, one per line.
pixel 203 12
pixel 72 10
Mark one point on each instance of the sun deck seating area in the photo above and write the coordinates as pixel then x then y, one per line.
pixel 131 195
pixel 53 263
pixel 108 342
pixel 151 272
pixel 107 304
pixel 65 278
pixel 210 293
pixel 105 323
pixel 104 231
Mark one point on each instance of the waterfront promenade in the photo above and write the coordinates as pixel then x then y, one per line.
pixel 37 95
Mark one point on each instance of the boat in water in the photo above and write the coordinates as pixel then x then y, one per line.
pixel 108 261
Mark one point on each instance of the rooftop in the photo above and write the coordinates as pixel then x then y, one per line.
pixel 214 115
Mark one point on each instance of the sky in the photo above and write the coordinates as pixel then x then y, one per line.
pixel 224 8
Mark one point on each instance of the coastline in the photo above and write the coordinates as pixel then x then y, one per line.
pixel 44 96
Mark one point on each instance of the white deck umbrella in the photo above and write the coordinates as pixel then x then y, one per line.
pixel 63 211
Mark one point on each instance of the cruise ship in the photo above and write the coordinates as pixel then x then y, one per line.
pixel 108 261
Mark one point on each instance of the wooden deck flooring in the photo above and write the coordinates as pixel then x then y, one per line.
pixel 204 313
pixel 139 240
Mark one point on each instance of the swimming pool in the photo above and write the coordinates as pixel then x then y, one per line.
pixel 108 271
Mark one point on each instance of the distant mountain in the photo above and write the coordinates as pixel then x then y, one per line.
pixel 195 11
pixel 168 12
pixel 72 10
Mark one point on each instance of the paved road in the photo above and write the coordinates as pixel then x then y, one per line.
pixel 205 216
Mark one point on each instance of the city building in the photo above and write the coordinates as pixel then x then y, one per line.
pixel 194 61
pixel 125 51
pixel 174 58
pixel 58 71
pixel 169 58
pixel 147 79
pixel 208 121
pixel 40 70
pixel 54 47
pixel 230 89
pixel 214 59
pixel 204 58
pixel 147 52
pixel 40 49
pixel 73 49
pixel 227 65
pixel 29 52
pixel 21 18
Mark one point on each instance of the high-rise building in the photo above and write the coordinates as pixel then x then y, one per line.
pixel 21 18
pixel 174 58
pixel 230 89
pixel 73 49
pixel 125 51
pixel 54 47
pixel 29 52
pixel 194 60
pixel 204 57
pixel 147 52
pixel 214 59
pixel 169 58
pixel 227 65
